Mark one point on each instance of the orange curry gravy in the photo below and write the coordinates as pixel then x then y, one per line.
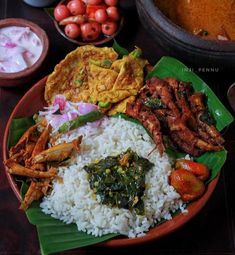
pixel 211 19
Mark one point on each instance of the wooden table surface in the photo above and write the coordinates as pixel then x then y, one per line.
pixel 211 232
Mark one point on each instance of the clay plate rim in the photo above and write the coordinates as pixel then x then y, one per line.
pixel 155 233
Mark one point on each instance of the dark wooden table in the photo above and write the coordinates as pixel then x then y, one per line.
pixel 211 232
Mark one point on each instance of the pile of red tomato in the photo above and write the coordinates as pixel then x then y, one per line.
pixel 88 19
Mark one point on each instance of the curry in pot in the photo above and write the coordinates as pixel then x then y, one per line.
pixel 210 19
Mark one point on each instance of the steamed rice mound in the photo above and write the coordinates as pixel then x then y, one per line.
pixel 72 200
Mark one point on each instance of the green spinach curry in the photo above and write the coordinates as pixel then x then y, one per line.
pixel 120 181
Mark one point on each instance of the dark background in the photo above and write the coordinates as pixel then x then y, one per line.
pixel 211 232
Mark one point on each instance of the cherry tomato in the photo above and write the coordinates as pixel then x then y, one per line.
pixel 91 9
pixel 111 2
pixel 61 12
pixel 113 13
pixel 90 31
pixel 109 27
pixel 101 16
pixel 76 7
pixel 92 2
pixel 72 30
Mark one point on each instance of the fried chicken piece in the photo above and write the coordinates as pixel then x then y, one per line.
pixel 177 126
pixel 196 102
pixel 206 130
pixel 215 136
pixel 182 90
pixel 170 103
pixel 159 88
pixel 185 146
pixel 149 121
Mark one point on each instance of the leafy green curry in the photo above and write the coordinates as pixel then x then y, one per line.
pixel 120 181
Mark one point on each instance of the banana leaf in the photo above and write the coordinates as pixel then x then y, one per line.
pixel 54 235
pixel 17 128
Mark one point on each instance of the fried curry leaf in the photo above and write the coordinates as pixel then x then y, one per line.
pixel 154 103
pixel 207 118
pixel 17 128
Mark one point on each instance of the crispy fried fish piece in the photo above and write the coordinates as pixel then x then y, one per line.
pixel 39 147
pixel 23 140
pixel 17 169
pixel 58 152
pixel 70 76
pixel 35 191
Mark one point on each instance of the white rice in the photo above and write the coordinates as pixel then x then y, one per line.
pixel 72 201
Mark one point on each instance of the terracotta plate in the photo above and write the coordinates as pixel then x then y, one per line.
pixel 25 107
